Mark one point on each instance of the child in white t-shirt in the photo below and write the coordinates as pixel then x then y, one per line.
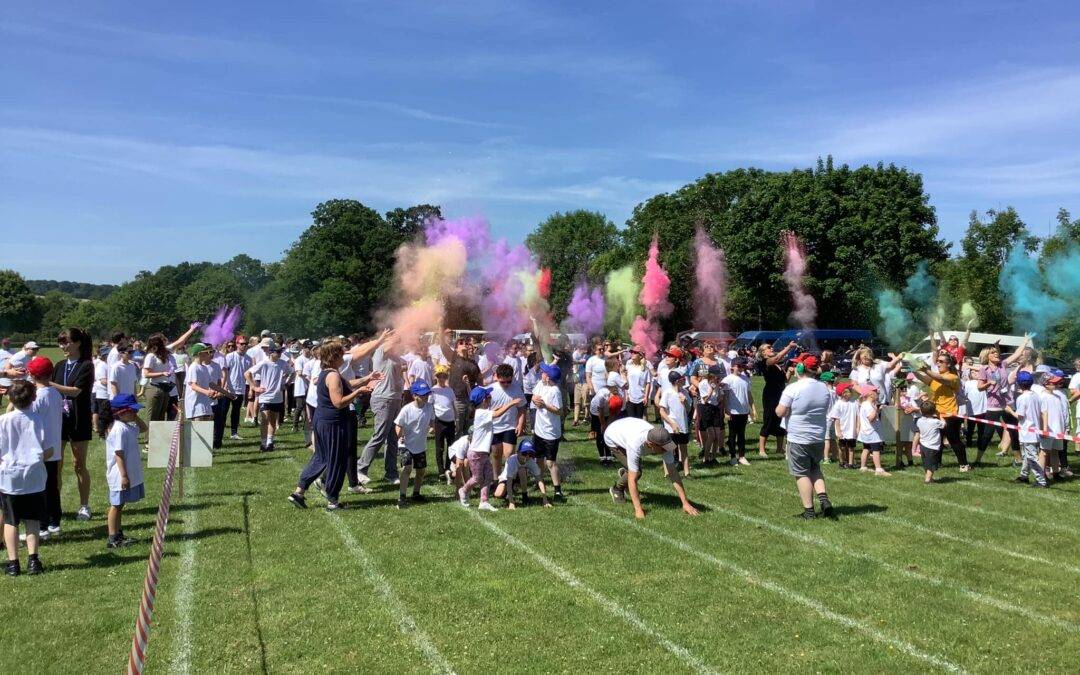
pixel 458 462
pixel 412 424
pixel 22 478
pixel 442 401
pixel 480 445
pixel 870 429
pixel 740 410
pixel 522 462
pixel 1028 411
pixel 844 415
pixel 928 430
pixel 269 391
pixel 673 404
pixel 123 464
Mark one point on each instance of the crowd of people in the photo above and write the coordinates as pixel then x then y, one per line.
pixel 496 412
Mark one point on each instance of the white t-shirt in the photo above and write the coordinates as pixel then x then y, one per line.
pixel 442 400
pixel 124 376
pixel 848 413
pixel 420 369
pixel 271 376
pixel 738 394
pixel 1074 384
pixel 869 432
pixel 637 380
pixel 299 384
pixel 600 401
pixel 237 363
pixel 1029 415
pixel 101 379
pixel 481 435
pixel 197 404
pixel 156 365
pixel 48 409
pixel 518 363
pixel 930 432
pixel 1056 408
pixel 312 369
pixel 415 422
pixel 123 440
pixel 630 434
pixel 256 354
pixel 459 449
pixel 510 468
pixel 673 401
pixel 875 375
pixel 22 466
pixel 807 400
pixel 437 357
pixel 976 399
pixel 113 357
pixel 548 424
pixel 500 397
pixel 596 372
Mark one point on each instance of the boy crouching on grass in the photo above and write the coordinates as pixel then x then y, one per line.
pixel 510 476
pixel 22 478
pixel 412 424
pixel 123 463
pixel 480 446
pixel 928 428
pixel 458 462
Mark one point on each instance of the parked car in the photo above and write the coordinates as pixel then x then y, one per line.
pixel 976 342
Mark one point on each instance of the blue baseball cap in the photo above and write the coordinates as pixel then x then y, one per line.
pixel 551 370
pixel 479 394
pixel 124 401
pixel 420 388
pixel 1024 377
pixel 1057 372
pixel 526 447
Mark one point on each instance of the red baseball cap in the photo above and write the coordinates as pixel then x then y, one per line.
pixel 842 387
pixel 615 404
pixel 674 353
pixel 40 367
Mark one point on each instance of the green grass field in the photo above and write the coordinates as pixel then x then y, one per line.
pixel 971 574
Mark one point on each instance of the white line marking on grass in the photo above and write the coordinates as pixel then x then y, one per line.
pixel 185 592
pixel 990 601
pixel 933 532
pixel 787 593
pixel 1034 522
pixel 974 483
pixel 406 624
pixel 610 605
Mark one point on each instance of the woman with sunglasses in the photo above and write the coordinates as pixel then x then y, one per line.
pixel 944 386
pixel 74 378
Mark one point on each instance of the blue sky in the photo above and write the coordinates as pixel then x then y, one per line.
pixel 139 134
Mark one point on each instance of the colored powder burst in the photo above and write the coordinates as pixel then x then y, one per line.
pixel 710 304
pixel 655 285
pixel 222 327
pixel 805 308
pixel 622 293
pixel 1063 274
pixel 921 287
pixel 585 313
pixel 646 336
pixel 474 232
pixel 968 316
pixel 1032 306
pixel 896 322
pixel 543 283
pixel 425 277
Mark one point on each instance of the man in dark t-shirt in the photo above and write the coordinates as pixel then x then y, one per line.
pixel 464 375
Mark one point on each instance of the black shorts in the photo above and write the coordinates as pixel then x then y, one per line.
pixel 508 436
pixel 77 428
pixel 847 443
pixel 770 423
pixel 272 407
pixel 546 449
pixel 18 508
pixel 680 439
pixel 710 416
pixel 931 459
pixel 416 461
pixel 99 405
pixel 873 447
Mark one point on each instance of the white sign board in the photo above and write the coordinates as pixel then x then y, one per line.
pixel 196 444
pixel 889 425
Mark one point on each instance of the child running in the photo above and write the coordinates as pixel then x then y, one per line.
pixel 870 429
pixel 412 424
pixel 547 429
pixel 928 430
pixel 22 478
pixel 270 374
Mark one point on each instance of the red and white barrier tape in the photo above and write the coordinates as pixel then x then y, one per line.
pixel 1016 427
pixel 141 637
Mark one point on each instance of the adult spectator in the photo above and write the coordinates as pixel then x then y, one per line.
pixel 385 406
pixel 19 359
pixel 804 405
pixel 74 378
pixel 944 391
pixel 464 375
pixel 770 365
pixel 628 439
pixel 159 369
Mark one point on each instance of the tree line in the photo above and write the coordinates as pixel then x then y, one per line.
pixel 864 229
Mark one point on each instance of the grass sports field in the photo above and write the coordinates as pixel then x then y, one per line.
pixel 972 574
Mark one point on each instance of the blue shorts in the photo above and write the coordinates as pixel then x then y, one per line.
pixel 132 494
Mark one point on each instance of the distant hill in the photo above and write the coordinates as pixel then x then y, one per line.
pixel 77 289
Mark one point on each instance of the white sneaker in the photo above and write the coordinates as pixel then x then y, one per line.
pixel 43 535
pixel 236 437
pixel 744 461
pixel 363 478
pixel 463 498
pixel 84 513
pixel 397 481
pixel 54 530
pixel 487 506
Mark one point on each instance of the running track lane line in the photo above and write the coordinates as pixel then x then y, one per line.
pixel 608 604
pixel 1034 522
pixel 988 600
pixel 406 624
pixel 181 658
pixel 922 529
pixel 786 593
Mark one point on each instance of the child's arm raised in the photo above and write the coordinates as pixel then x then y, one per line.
pixel 503 408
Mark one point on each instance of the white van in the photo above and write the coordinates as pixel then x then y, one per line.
pixel 975 343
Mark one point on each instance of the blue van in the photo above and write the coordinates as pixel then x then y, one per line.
pixel 839 340
pixel 755 338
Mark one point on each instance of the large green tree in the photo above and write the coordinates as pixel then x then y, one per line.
pixel 20 311
pixel 410 222
pixel 212 289
pixel 862 228
pixel 56 306
pixel 249 272
pixel 569 244
pixel 1064 341
pixel 983 251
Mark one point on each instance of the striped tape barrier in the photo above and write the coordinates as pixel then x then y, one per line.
pixel 141 638
pixel 1017 427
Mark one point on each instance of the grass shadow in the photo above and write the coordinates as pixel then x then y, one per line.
pixel 104 560
pixel 857 509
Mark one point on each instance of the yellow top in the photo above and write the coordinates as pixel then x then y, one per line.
pixel 943 394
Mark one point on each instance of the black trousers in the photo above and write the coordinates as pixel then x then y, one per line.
pixel 736 440
pixel 954 427
pixel 986 431
pixel 601 447
pixel 444 438
pixel 236 406
pixel 52 495
pixel 635 409
pixel 221 409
